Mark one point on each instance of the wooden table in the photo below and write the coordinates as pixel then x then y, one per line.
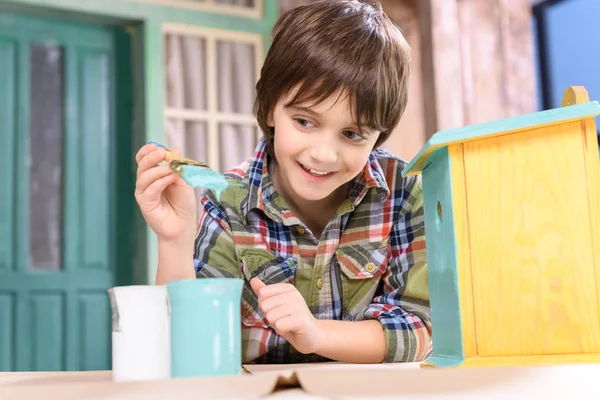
pixel 321 381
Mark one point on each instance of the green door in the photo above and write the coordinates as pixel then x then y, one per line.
pixel 64 137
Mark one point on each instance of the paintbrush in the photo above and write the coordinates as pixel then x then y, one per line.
pixel 195 173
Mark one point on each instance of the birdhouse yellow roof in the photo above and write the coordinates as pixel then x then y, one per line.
pixel 499 127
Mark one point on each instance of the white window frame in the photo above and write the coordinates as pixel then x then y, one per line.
pixel 212 116
pixel 210 6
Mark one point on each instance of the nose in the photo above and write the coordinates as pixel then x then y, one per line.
pixel 324 153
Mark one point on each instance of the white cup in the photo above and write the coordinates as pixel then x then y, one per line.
pixel 140 333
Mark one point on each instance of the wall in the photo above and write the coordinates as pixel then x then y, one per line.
pixel 410 134
pixel 479 61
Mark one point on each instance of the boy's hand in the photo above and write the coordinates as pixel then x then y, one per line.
pixel 166 201
pixel 286 311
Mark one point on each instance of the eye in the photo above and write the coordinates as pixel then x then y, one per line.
pixel 303 122
pixel 353 136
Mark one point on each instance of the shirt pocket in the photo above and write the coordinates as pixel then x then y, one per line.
pixel 363 260
pixel 270 269
pixel 361 264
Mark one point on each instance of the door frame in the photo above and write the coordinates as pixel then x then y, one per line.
pixel 127 103
pixel 124 175
pixel 49 299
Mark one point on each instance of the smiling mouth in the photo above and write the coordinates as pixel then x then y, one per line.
pixel 315 172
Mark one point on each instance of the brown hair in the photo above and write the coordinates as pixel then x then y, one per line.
pixel 329 45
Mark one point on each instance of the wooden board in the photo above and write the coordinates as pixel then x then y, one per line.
pixel 533 267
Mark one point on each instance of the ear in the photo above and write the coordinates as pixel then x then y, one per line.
pixel 381 139
pixel 270 120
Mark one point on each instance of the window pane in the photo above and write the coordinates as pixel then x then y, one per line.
pixel 241 3
pixel 185 72
pixel 189 136
pixel 46 152
pixel 236 144
pixel 236 76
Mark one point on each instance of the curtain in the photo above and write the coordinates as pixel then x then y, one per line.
pixel 185 69
pixel 186 89
pixel 235 95
pixel 186 82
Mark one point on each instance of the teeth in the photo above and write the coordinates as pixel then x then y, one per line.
pixel 314 172
pixel 318 173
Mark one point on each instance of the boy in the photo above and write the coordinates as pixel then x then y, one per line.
pixel 324 230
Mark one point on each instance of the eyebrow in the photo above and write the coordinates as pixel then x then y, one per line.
pixel 305 109
pixel 316 114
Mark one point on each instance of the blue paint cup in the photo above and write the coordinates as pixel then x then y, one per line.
pixel 205 327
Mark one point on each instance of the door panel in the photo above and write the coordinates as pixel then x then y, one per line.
pixel 7 315
pixel 47 311
pixel 46 110
pixel 96 126
pixel 58 198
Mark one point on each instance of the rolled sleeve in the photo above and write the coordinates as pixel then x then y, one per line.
pixel 214 250
pixel 402 303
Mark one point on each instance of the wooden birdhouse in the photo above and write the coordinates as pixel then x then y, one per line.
pixel 512 226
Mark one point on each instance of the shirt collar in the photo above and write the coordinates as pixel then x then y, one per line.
pixel 371 177
pixel 261 190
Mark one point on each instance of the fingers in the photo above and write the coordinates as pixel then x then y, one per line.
pixel 272 302
pixel 150 160
pixel 265 291
pixel 150 147
pixel 276 301
pixel 145 149
pixel 159 185
pixel 284 325
pixel 281 312
pixel 274 314
pixel 149 176
pixel 256 284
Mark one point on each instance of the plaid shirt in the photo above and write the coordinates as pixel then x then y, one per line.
pixel 369 262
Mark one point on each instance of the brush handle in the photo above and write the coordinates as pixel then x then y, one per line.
pixel 170 156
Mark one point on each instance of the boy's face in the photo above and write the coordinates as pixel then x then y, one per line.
pixel 318 147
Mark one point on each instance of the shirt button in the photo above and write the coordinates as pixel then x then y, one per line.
pixel 370 267
pixel 319 283
pixel 300 230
